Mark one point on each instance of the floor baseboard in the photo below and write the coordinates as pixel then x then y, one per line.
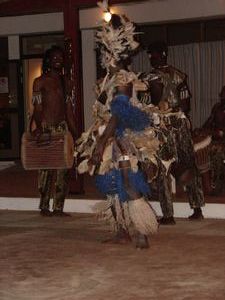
pixel 181 210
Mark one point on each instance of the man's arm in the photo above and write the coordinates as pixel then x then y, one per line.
pixel 210 122
pixel 156 91
pixel 70 119
pixel 101 143
pixel 68 90
pixel 185 97
pixel 37 103
pixel 110 128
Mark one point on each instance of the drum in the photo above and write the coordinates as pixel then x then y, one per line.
pixel 51 151
pixel 201 149
pixel 202 145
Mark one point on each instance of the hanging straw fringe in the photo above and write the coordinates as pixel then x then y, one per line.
pixel 143 216
pixel 120 218
pixel 135 213
pixel 103 212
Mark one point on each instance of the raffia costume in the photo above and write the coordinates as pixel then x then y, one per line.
pixel 180 145
pixel 217 158
pixel 217 149
pixel 132 132
pixel 134 139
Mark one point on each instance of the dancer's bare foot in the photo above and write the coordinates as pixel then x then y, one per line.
pixel 142 241
pixel 121 237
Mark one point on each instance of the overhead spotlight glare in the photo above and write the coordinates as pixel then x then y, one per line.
pixel 107 16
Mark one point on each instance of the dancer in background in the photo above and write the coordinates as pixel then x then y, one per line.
pixel 169 91
pixel 215 124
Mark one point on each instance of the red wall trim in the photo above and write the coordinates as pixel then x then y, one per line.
pixel 23 7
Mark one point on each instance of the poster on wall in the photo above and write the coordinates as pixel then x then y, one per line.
pixel 4 86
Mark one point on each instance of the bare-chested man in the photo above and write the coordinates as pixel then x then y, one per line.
pixel 216 125
pixel 52 113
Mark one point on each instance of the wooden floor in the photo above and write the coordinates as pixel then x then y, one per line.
pixel 65 259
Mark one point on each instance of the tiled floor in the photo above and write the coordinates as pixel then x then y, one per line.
pixel 64 259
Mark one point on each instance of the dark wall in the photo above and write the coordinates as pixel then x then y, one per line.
pixel 180 33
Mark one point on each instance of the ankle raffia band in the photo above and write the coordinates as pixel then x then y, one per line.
pixel 124 168
pixel 143 216
pixel 124 158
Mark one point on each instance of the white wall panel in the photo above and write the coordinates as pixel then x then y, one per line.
pixel 14 47
pixel 31 24
pixel 89 74
pixel 158 11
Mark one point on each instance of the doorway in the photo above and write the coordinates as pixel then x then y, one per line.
pixel 31 70
pixel 10 110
